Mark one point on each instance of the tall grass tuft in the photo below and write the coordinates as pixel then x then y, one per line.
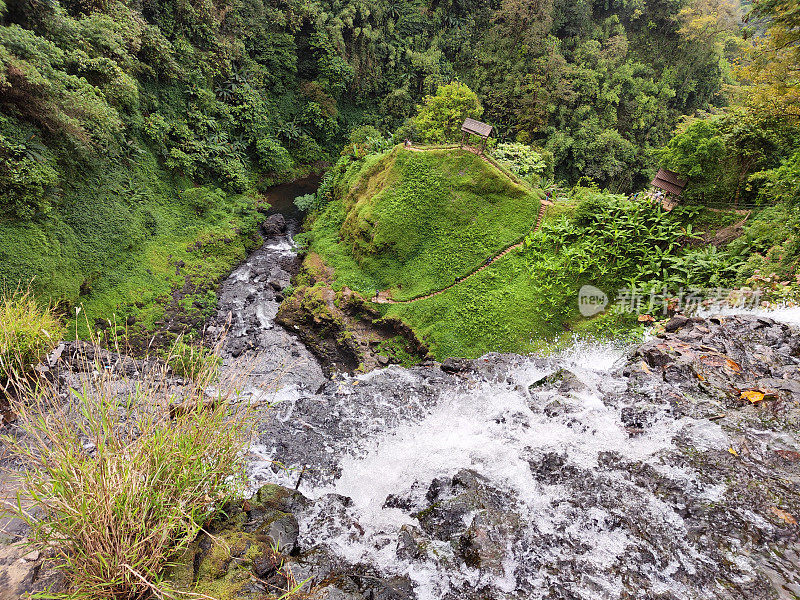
pixel 119 482
pixel 28 333
pixel 193 361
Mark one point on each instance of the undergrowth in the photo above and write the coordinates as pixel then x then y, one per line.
pixel 28 332
pixel 121 476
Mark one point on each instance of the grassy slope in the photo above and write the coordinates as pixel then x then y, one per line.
pixel 113 248
pixel 506 307
pixel 415 221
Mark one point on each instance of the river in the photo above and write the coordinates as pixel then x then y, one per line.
pixel 518 477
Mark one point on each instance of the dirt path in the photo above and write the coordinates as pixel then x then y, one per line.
pixel 383 296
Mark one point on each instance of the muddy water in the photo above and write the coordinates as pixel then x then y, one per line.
pixel 281 197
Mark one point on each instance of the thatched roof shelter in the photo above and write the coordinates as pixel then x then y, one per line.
pixel 473 127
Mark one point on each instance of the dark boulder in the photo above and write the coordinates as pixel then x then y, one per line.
pixel 274 225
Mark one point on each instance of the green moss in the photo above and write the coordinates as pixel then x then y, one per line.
pixel 397 349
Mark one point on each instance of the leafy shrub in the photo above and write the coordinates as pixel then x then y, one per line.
pixel 26 180
pixel 126 480
pixel 364 140
pixel 305 201
pixel 202 198
pixel 521 159
pixel 272 157
pixel 307 150
pixel 28 333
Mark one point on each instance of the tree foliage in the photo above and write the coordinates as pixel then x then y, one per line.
pixel 441 115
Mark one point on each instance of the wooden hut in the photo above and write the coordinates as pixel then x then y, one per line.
pixel 473 127
pixel 671 185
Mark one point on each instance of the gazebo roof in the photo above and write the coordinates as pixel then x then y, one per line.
pixel 669 181
pixel 476 127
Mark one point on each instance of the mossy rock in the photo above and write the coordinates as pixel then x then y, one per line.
pixel 225 565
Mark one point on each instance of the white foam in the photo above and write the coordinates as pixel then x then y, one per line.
pixel 500 431
pixel 783 313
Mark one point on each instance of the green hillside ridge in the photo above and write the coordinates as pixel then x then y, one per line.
pixel 413 222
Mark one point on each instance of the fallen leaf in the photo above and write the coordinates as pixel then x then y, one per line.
pixel 646 319
pixel 700 377
pixel 788 454
pixel 645 368
pixel 753 396
pixel 783 515
pixel 733 365
pixel 355 382
pixel 732 451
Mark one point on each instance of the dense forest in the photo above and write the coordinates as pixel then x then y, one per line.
pixel 136 137
pixel 169 342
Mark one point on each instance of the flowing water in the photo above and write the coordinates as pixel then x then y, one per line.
pixel 522 477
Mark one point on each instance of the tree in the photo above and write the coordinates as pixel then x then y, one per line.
pixel 772 72
pixel 441 116
pixel 698 151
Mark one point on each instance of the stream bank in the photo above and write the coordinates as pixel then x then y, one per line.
pixel 601 472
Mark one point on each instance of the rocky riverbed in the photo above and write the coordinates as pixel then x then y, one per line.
pixel 669 470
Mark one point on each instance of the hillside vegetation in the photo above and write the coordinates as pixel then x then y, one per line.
pixel 413 222
pixel 137 139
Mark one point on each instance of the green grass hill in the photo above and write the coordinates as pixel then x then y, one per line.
pixel 413 222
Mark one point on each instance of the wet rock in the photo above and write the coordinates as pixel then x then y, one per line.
pixel 555 409
pixel 242 546
pixel 453 500
pixel 274 225
pixel 248 303
pixel 277 497
pixel 330 592
pixel 651 482
pixel 284 531
pixel 487 542
pixel 563 380
pixel 456 365
pixel 395 588
pixel 411 543
pixel 676 323
pixel 723 357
